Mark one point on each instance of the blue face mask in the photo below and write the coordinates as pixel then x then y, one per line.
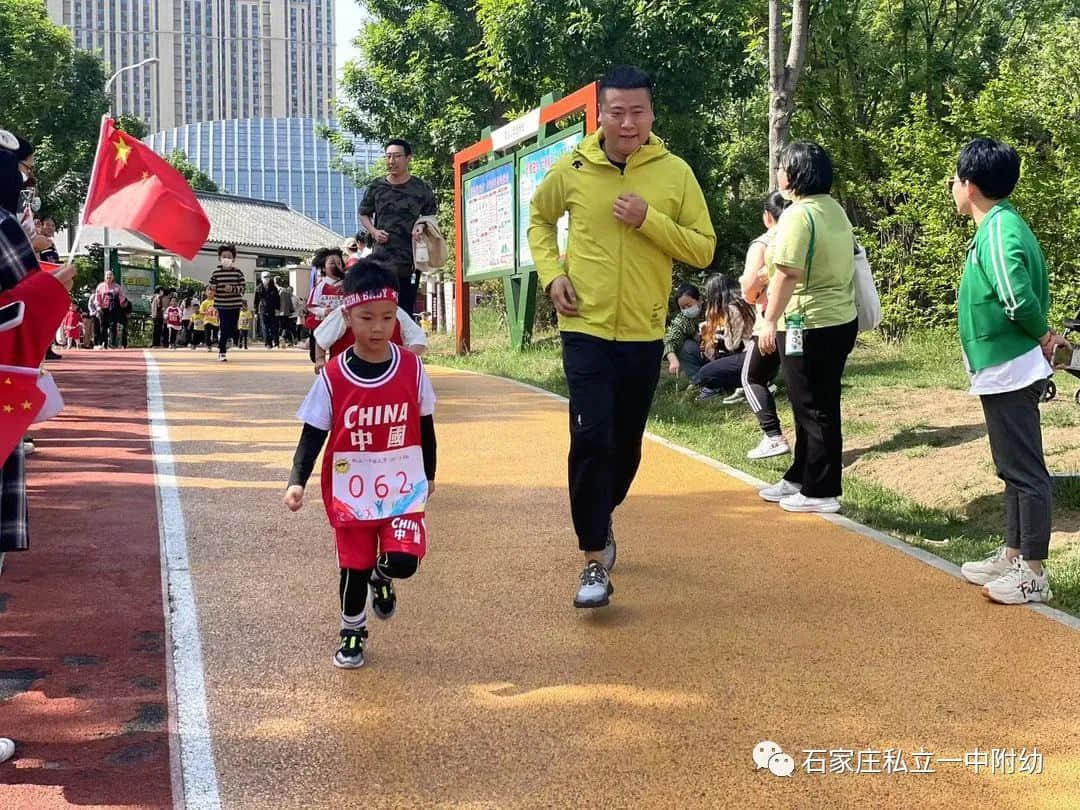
pixel 692 312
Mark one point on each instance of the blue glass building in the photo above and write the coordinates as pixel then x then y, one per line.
pixel 279 159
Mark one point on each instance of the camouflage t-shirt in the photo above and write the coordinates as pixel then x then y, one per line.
pixel 395 209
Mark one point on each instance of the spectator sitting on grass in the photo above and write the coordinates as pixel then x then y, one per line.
pixel 681 348
pixel 729 321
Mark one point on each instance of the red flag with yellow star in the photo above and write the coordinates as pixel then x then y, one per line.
pixel 20 401
pixel 133 188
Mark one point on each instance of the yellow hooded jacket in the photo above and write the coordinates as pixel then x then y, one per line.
pixel 622 275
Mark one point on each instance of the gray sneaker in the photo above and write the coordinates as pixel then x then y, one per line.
pixel 350 653
pixel 596 587
pixel 609 547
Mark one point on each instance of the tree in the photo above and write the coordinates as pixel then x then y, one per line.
pixel 54 97
pixel 133 126
pixel 784 74
pixel 196 179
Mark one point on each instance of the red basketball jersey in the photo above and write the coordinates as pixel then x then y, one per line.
pixel 373 465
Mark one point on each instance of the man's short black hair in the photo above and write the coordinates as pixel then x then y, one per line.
pixel 688 290
pixel 158 290
pixel 322 254
pixel 625 77
pixel 222 249
pixel 991 165
pixel 368 275
pixel 404 144
pixel 808 167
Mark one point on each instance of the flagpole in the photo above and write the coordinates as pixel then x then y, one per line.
pixel 89 191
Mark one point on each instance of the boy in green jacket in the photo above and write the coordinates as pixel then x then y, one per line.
pixel 1002 303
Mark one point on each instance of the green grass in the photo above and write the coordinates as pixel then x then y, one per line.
pixel 876 370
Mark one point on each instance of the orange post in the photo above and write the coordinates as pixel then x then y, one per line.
pixel 585 100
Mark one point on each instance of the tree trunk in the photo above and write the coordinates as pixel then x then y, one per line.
pixel 784 75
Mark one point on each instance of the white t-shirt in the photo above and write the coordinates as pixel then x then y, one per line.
pixel 1012 375
pixel 315 410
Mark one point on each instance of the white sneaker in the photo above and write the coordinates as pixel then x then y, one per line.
pixel 1019 585
pixel 28 447
pixel 986 571
pixel 7 749
pixel 596 587
pixel 777 492
pixel 801 503
pixel 735 397
pixel 770 446
pixel 609 548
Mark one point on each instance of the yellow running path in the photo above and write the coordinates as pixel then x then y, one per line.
pixel 732 622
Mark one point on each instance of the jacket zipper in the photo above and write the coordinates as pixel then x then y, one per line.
pixel 622 246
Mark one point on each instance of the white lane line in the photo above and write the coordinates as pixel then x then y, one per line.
pixel 920 554
pixel 197 779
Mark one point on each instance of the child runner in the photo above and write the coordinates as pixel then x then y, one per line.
pixel 244 325
pixel 325 295
pixel 332 335
pixel 196 325
pixel 174 321
pixel 376 404
pixel 73 327
pixel 210 318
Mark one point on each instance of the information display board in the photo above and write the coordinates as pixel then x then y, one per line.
pixel 489 220
pixel 532 166
pixel 139 283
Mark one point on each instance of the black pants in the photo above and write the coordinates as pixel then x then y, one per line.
pixel 228 318
pixel 690 358
pixel 159 331
pixel 353 583
pixel 611 390
pixel 173 333
pixel 722 373
pixel 758 371
pixel 407 293
pixel 813 381
pixel 242 339
pixel 113 331
pixel 270 330
pixel 1012 422
pixel 210 333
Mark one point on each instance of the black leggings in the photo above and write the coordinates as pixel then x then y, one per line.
pixel 758 371
pixel 353 584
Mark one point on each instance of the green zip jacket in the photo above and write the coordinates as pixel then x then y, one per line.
pixel 1004 294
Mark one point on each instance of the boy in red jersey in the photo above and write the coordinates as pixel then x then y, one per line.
pixel 376 404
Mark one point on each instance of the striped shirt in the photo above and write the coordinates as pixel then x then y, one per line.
pixel 228 284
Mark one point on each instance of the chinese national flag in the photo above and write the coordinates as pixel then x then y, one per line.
pixel 20 401
pixel 135 189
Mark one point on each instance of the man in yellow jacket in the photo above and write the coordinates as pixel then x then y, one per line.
pixel 634 207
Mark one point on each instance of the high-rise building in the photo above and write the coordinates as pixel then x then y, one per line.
pixel 279 159
pixel 218 59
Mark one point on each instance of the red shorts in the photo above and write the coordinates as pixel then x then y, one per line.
pixel 359 545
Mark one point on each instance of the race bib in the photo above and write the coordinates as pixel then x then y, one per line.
pixel 375 486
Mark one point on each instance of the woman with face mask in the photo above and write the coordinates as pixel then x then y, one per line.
pixel 681 349
pixel 227 281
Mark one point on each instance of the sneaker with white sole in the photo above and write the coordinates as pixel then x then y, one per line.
pixel 609 547
pixel 777 492
pixel 801 503
pixel 596 588
pixel 770 446
pixel 986 571
pixel 1019 585
pixel 350 653
pixel 7 749
pixel 735 397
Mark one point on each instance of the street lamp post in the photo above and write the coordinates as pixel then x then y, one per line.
pixel 105 231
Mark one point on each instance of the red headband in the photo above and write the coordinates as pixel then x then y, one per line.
pixel 355 299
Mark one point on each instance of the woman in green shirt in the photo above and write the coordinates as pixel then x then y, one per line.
pixel 811 320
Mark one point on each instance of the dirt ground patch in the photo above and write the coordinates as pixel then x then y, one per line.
pixel 933 450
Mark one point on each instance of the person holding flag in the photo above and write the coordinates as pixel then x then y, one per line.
pixel 32 306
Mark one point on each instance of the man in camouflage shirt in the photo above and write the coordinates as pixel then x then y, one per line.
pixel 389 211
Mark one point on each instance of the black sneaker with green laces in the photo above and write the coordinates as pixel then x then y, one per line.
pixel 383 598
pixel 350 654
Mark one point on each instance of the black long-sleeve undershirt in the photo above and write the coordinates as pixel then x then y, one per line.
pixel 312 438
